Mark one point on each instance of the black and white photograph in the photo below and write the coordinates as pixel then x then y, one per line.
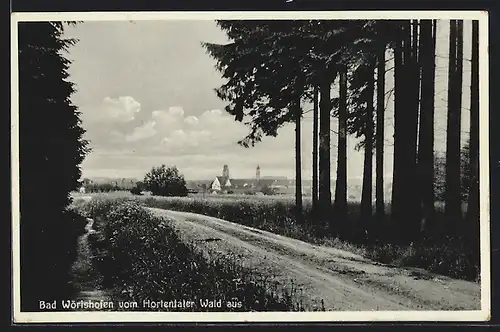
pixel 250 166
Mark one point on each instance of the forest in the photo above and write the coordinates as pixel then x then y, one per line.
pixel 272 67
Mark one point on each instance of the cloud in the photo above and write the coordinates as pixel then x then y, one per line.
pixel 191 120
pixel 197 145
pixel 120 124
pixel 114 111
pixel 172 131
pixel 121 109
pixel 176 111
pixel 109 123
pixel 140 133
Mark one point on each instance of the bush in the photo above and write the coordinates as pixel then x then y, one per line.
pixel 136 191
pixel 165 181
pixel 143 259
pixel 267 190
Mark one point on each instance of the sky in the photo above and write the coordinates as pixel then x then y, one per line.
pixel 145 90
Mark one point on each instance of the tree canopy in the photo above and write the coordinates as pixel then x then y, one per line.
pixel 165 181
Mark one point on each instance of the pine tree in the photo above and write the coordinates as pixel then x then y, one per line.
pixel 298 164
pixel 325 195
pixel 360 122
pixel 315 151
pixel 366 195
pixel 340 203
pixel 379 154
pixel 453 193
pixel 473 199
pixel 266 80
pixel 51 148
pixel 406 103
pixel 426 129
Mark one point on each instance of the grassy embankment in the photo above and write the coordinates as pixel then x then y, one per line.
pixel 456 257
pixel 140 257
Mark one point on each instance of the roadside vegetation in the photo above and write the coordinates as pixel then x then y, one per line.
pixel 140 257
pixel 455 257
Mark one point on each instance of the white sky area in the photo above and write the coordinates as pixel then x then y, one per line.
pixel 145 91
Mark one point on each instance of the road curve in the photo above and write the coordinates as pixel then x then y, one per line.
pixel 326 278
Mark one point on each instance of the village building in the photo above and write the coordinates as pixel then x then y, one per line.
pixel 224 184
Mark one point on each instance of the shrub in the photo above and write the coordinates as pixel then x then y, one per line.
pixel 267 190
pixel 136 191
pixel 165 181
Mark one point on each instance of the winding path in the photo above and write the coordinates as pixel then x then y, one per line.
pixel 85 279
pixel 324 277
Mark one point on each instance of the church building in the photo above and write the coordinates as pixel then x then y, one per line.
pixel 225 184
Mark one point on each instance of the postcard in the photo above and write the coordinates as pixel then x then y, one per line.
pixel 250 166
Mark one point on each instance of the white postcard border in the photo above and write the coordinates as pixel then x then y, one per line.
pixel 339 316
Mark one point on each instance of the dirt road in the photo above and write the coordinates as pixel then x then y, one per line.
pixel 325 276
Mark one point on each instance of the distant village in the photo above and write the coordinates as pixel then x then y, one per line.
pixel 225 184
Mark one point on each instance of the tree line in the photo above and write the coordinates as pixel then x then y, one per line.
pixel 272 67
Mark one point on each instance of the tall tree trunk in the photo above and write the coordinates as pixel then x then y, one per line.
pixel 315 152
pixel 426 131
pixel 404 201
pixel 367 190
pixel 298 164
pixel 413 226
pixel 379 141
pixel 453 179
pixel 473 200
pixel 397 208
pixel 325 195
pixel 340 204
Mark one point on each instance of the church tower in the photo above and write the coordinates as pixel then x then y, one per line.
pixel 257 173
pixel 225 171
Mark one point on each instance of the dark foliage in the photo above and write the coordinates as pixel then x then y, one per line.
pixel 165 181
pixel 136 191
pixel 51 149
pixel 440 175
